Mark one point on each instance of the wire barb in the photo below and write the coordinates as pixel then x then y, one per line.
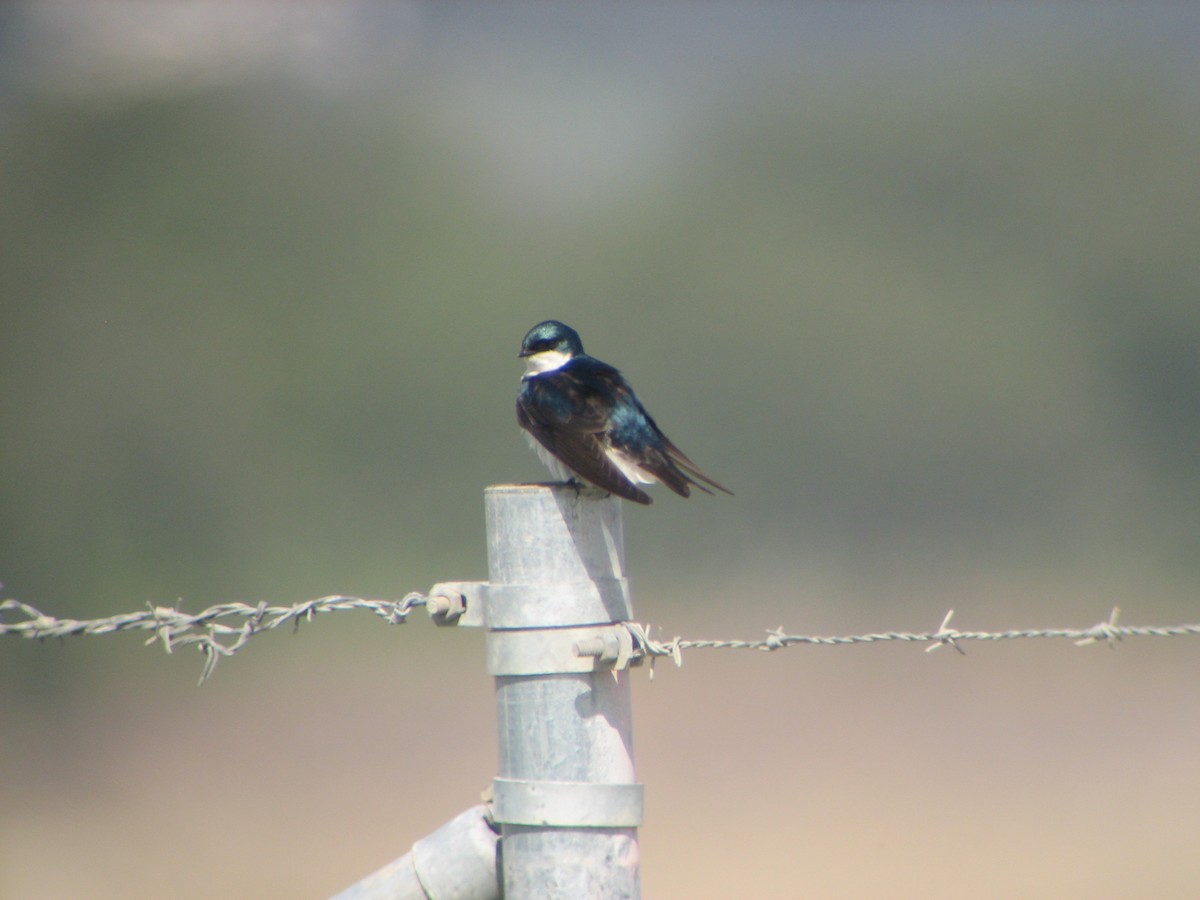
pixel 1106 631
pixel 945 635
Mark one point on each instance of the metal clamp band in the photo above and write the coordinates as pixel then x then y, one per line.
pixel 551 651
pixel 567 804
pixel 475 603
pixel 598 602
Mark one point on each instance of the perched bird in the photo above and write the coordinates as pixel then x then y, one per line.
pixel 584 421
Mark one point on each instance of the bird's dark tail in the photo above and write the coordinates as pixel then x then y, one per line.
pixel 689 473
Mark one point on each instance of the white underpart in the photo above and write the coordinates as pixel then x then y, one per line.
pixel 553 463
pixel 546 361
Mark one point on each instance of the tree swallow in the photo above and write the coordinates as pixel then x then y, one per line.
pixel 584 420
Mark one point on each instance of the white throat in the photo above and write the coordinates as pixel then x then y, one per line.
pixel 546 361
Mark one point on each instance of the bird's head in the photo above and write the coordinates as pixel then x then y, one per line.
pixel 549 345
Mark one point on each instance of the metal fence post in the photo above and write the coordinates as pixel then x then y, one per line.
pixel 565 797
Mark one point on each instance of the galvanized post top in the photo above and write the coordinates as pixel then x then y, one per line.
pixel 556 559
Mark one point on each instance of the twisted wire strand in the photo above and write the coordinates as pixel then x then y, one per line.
pixel 1108 631
pixel 206 630
pixel 209 632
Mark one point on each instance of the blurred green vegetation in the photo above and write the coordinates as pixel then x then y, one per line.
pixel 917 281
pixel 258 341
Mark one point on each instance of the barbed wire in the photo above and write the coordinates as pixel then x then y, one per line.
pixel 214 638
pixel 1108 631
pixel 206 630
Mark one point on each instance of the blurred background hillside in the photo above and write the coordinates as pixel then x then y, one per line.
pixel 920 282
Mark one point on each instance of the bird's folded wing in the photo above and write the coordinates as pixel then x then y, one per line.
pixel 575 440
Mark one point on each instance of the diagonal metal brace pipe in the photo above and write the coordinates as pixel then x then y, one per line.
pixel 456 862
